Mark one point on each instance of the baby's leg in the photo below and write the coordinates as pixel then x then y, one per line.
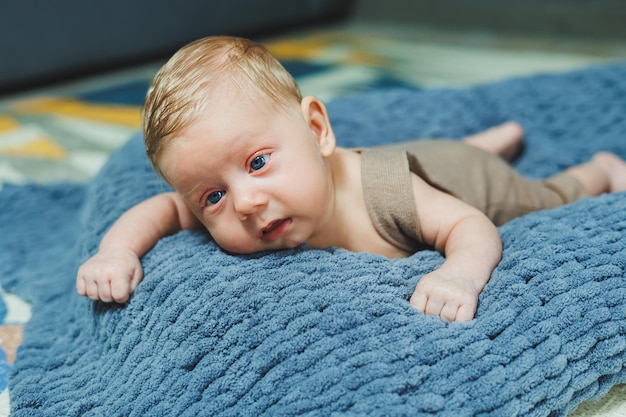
pixel 605 172
pixel 504 140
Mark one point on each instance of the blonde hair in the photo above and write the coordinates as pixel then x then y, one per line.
pixel 182 88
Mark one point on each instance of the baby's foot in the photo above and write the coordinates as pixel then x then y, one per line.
pixel 505 140
pixel 615 169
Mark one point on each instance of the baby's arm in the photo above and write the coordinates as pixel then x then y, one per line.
pixel 472 247
pixel 114 272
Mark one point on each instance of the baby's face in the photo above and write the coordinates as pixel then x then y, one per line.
pixel 252 174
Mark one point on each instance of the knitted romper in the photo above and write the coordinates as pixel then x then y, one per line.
pixel 477 177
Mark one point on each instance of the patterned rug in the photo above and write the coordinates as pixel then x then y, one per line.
pixel 67 133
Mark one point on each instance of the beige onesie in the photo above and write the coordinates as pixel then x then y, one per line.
pixel 477 177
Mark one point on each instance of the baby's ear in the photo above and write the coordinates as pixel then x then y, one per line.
pixel 316 116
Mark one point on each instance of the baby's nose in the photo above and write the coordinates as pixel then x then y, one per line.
pixel 248 203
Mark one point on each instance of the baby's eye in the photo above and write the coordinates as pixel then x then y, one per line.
pixel 214 197
pixel 259 162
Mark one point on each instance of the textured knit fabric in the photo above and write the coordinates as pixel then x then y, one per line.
pixel 389 199
pixel 479 178
pixel 329 332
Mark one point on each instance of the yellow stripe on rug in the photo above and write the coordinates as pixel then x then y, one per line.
pixel 295 48
pixel 109 113
pixel 30 142
pixel 7 123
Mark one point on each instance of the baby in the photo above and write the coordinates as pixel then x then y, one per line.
pixel 257 165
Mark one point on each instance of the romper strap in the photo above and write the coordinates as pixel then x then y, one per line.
pixel 389 199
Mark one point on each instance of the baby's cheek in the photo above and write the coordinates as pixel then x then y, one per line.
pixel 231 241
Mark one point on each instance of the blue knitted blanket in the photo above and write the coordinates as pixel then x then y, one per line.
pixel 329 332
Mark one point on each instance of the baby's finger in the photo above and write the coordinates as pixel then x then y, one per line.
pixel 80 285
pixel 120 290
pixel 465 313
pixel 137 277
pixel 449 312
pixel 91 289
pixel 434 306
pixel 419 300
pixel 104 291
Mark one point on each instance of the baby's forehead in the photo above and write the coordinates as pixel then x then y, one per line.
pixel 238 95
pixel 229 101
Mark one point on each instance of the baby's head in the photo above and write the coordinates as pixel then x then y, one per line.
pixel 198 73
pixel 225 125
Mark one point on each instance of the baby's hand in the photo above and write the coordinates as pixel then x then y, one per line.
pixel 110 275
pixel 453 298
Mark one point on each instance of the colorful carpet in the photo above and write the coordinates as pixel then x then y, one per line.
pixel 67 134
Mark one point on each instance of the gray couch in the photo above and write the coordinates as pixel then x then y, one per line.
pixel 45 41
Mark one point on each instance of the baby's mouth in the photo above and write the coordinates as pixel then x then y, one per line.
pixel 275 229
